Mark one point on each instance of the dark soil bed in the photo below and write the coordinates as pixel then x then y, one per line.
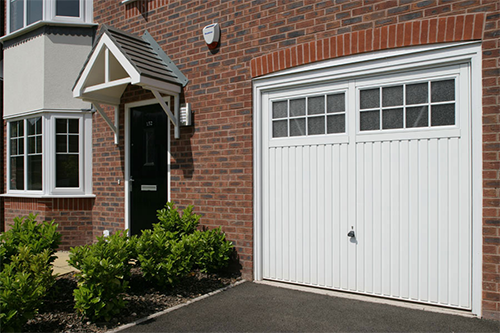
pixel 58 314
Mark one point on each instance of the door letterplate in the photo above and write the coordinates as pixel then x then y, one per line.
pixel 148 188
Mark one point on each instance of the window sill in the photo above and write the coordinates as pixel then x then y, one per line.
pixel 48 196
pixel 39 24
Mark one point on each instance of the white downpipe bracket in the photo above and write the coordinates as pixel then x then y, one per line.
pixel 114 127
pixel 173 119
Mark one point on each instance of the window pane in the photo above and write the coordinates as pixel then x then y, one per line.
pixel 73 126
pixel 61 144
pixel 297 127
pixel 68 8
pixel 335 124
pixel 13 129
pixel 16 14
pixel 31 126
pixel 34 10
pixel 392 96
pixel 442 115
pixel 369 120
pixel 297 107
pixel 73 144
pixel 279 110
pixel 20 128
pixel 280 128
pixel 31 145
pixel 67 170
pixel 417 93
pixel 417 116
pixel 316 105
pixel 392 118
pixel 13 146
pixel 39 144
pixel 443 91
pixel 17 173
pixel 316 125
pixel 61 126
pixel 35 172
pixel 336 103
pixel 369 98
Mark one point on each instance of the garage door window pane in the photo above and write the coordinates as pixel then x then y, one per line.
pixel 279 109
pixel 417 93
pixel 392 96
pixel 316 125
pixel 297 127
pixel 280 128
pixel 297 107
pixel 417 116
pixel 336 103
pixel 442 115
pixel 442 91
pixel 392 118
pixel 335 124
pixel 316 105
pixel 370 120
pixel 369 98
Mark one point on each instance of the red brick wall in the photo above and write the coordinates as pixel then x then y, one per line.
pixel 212 162
pixel 74 216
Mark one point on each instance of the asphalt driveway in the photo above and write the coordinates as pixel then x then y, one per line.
pixel 252 307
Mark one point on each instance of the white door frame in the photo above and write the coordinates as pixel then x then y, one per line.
pixel 128 107
pixel 375 63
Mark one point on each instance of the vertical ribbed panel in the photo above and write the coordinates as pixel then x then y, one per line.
pixel 413 226
pixel 412 219
pixel 307 216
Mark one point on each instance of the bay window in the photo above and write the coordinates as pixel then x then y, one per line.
pixel 23 13
pixel 47 155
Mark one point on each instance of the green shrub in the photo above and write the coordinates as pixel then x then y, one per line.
pixel 170 220
pixel 104 268
pixel 174 247
pixel 27 232
pixel 164 258
pixel 212 250
pixel 24 282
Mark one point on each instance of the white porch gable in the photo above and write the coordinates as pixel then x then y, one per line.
pixel 119 59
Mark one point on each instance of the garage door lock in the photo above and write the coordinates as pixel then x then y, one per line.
pixel 351 233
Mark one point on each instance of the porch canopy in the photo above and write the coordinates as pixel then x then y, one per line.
pixel 118 59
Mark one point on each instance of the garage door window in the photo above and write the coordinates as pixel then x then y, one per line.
pixel 411 105
pixel 310 115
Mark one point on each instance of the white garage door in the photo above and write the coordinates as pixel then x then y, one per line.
pixel 386 157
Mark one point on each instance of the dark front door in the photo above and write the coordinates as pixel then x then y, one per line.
pixel 148 165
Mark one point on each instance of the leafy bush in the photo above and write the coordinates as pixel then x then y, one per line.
pixel 23 284
pixel 170 220
pixel 174 246
pixel 104 268
pixel 213 251
pixel 27 232
pixel 163 258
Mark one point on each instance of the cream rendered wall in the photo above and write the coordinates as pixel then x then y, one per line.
pixel 24 77
pixel 65 56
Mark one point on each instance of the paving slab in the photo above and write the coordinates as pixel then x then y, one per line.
pixel 254 307
pixel 61 265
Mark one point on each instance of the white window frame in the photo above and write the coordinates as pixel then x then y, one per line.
pixel 49 188
pixel 49 15
pixel 366 65
pixel 25 157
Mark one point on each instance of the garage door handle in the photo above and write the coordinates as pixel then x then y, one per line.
pixel 351 234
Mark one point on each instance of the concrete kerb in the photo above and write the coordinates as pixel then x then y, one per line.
pixel 157 314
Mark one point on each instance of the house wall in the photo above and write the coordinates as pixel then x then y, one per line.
pixel 24 82
pixel 74 216
pixel 212 162
pixel 60 74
